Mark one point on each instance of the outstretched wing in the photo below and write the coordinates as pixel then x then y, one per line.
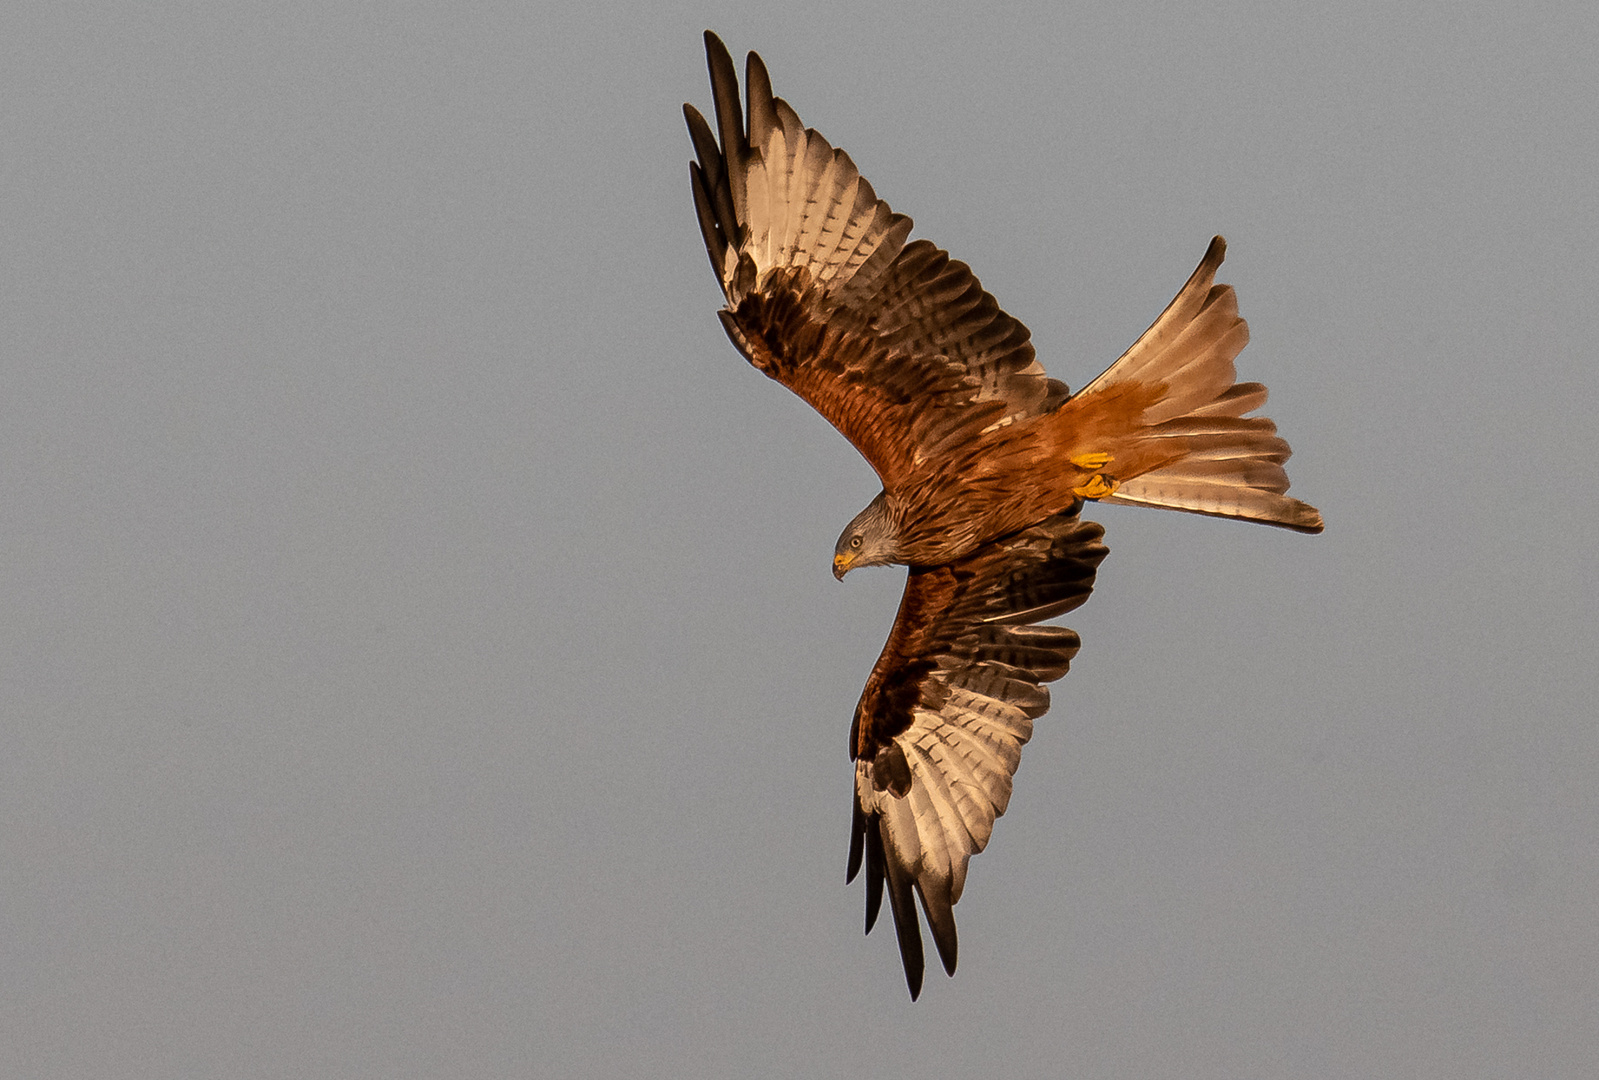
pixel 940 726
pixel 895 344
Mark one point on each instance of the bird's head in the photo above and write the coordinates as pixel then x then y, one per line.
pixel 869 540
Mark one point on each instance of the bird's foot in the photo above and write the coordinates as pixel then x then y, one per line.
pixel 1098 486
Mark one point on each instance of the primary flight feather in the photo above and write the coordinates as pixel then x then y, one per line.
pixel 985 463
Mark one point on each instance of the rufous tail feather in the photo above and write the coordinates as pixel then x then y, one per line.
pixel 1165 425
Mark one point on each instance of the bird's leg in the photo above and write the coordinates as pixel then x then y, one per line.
pixel 1098 485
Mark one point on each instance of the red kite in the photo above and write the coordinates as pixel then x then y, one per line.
pixel 985 463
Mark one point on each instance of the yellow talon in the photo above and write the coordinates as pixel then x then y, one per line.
pixel 1091 462
pixel 1098 487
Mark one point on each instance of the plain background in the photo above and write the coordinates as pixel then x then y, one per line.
pixel 419 654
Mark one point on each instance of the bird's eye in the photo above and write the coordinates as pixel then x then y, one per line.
pixel 854 541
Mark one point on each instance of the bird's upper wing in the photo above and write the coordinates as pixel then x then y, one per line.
pixel 940 726
pixel 895 344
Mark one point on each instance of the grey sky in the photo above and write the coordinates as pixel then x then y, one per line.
pixel 420 656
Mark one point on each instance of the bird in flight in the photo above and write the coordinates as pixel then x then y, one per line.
pixel 985 462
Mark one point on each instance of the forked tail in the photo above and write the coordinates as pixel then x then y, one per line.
pixel 1165 425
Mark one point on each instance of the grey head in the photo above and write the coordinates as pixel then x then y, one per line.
pixel 869 540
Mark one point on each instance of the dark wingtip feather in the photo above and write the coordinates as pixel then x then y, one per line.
pixel 715 245
pixel 724 91
pixel 857 842
pixel 758 95
pixel 941 921
pixel 874 871
pixel 908 928
pixel 705 148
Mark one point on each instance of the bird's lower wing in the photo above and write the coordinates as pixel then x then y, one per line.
pixel 940 726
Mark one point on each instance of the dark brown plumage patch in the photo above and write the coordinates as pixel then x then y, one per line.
pixel 890 771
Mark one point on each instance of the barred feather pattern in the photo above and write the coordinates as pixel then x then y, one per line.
pixel 940 726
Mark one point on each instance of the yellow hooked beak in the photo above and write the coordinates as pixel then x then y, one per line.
pixel 841 564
